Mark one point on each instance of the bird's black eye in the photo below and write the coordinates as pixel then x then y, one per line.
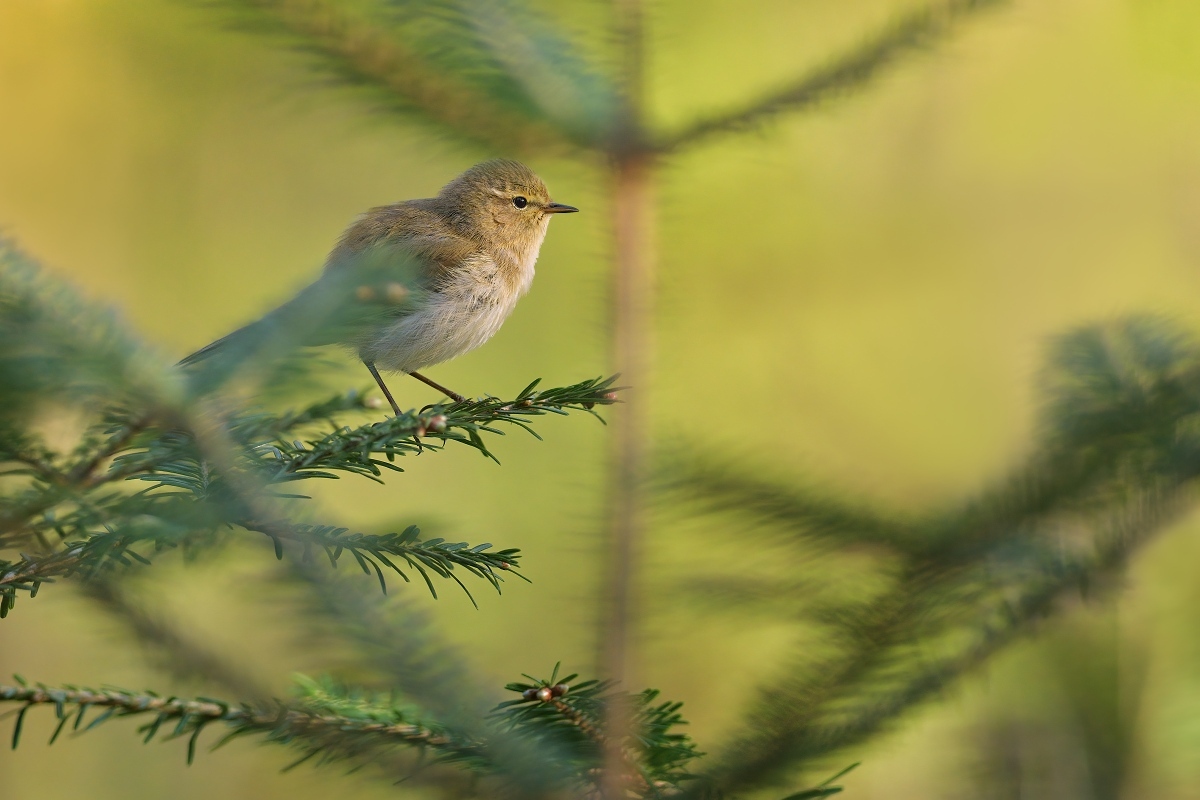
pixel 520 202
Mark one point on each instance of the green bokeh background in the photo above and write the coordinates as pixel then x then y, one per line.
pixel 861 294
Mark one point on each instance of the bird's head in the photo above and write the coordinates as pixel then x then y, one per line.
pixel 502 201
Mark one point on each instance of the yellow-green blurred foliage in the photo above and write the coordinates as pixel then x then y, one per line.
pixel 859 294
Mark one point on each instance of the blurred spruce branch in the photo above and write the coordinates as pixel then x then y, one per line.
pixel 491 73
pixel 1119 460
pixel 169 646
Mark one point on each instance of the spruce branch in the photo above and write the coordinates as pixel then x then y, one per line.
pixel 366 450
pixel 135 529
pixel 372 552
pixel 125 538
pixel 654 754
pixel 334 722
pixel 312 723
pixel 847 73
pixel 358 450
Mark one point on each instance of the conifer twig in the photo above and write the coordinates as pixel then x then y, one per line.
pixel 372 550
pixel 279 722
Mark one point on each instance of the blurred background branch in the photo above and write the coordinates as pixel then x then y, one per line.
pixel 851 71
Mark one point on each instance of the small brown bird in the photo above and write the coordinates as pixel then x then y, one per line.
pixel 474 247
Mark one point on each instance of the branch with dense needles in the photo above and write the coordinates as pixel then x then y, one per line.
pixel 76 519
pixel 372 551
pixel 654 754
pixel 355 450
pixel 553 724
pixel 307 725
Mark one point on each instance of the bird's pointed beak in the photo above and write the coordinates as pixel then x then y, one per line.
pixel 559 208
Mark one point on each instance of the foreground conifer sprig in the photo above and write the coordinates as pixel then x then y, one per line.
pixel 572 714
pixel 341 730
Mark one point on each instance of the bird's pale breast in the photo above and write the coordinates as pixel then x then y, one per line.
pixel 465 313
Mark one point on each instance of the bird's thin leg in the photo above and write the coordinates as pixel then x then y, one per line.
pixel 455 396
pixel 383 386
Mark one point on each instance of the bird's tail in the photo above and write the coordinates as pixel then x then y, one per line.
pixel 338 308
pixel 242 334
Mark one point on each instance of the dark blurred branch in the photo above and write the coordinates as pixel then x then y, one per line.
pixel 804 515
pixel 850 72
pixel 797 511
pixel 1119 459
pixel 84 473
pixel 65 484
pixel 896 662
pixel 392 639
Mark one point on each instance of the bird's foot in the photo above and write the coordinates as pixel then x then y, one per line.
pixel 455 396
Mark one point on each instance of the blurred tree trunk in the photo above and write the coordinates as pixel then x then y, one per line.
pixel 632 165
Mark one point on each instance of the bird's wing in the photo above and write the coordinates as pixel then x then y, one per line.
pixel 414 231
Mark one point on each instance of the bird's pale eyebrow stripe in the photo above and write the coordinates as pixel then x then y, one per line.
pixel 498 192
